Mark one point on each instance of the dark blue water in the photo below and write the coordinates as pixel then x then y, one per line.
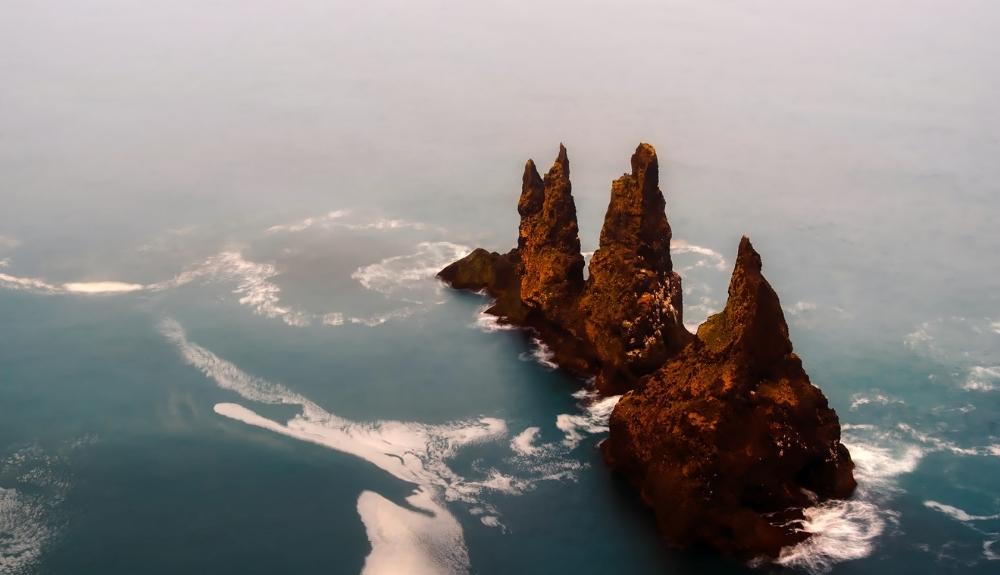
pixel 223 349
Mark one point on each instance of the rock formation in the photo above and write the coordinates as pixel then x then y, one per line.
pixel 729 439
pixel 721 433
pixel 632 305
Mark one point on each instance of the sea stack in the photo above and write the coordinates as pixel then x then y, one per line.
pixel 728 441
pixel 632 305
pixel 721 433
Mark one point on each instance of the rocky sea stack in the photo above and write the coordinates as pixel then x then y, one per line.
pixel 721 433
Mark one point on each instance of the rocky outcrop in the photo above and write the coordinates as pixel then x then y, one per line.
pixel 721 433
pixel 548 240
pixel 729 440
pixel 632 305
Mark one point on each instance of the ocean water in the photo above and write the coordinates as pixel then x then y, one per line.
pixel 222 349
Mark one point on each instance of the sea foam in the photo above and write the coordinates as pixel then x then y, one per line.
pixel 410 271
pixel 412 452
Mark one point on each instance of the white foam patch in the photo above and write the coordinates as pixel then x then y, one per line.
pixel 40 286
pixel 982 378
pixel 102 287
pixel 34 285
pixel 407 541
pixel 800 307
pixel 386 224
pixel 382 318
pixel 412 452
pixel 540 353
pixel 712 258
pixel 594 419
pixel 306 223
pixel 490 323
pixel 524 442
pixel 995 326
pixel 333 319
pixel 409 271
pixel 23 532
pixel 862 399
pixel 958 514
pixel 989 551
pixel 254 285
pixel 938 444
pixel 844 530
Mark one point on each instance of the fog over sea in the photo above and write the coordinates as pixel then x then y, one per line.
pixel 223 349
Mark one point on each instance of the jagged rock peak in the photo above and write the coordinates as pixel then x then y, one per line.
pixel 636 221
pixel 548 237
pixel 632 304
pixel 532 191
pixel 752 319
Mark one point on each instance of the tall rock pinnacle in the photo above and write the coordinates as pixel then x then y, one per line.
pixel 548 239
pixel 632 300
pixel 752 320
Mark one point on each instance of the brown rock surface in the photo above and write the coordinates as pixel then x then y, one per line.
pixel 548 239
pixel 729 439
pixel 632 303
pixel 722 433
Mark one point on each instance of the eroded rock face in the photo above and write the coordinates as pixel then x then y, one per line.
pixel 722 433
pixel 632 302
pixel 729 439
pixel 548 239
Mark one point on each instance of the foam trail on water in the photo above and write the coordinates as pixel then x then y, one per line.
pixel 102 287
pixel 253 280
pixel 307 223
pixel 409 271
pixel 40 286
pixel 958 514
pixel 413 452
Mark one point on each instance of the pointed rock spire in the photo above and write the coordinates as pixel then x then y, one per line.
pixel 548 238
pixel 635 224
pixel 633 299
pixel 752 320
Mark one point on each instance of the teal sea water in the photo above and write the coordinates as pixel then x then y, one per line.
pixel 222 349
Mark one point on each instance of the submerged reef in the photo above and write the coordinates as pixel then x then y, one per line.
pixel 720 432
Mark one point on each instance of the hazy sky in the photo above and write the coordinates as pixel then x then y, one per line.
pixel 120 118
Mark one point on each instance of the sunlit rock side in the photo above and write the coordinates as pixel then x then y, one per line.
pixel 632 304
pixel 621 323
pixel 729 440
pixel 721 432
pixel 548 241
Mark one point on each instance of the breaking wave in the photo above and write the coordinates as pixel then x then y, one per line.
pixel 849 529
pixel 540 353
pixel 958 514
pixel 594 419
